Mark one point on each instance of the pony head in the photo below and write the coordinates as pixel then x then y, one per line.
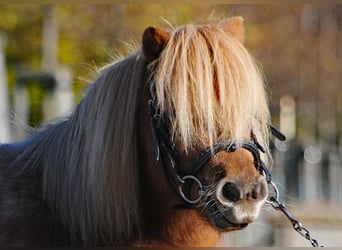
pixel 209 89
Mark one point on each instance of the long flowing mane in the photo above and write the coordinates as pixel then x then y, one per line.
pixel 211 86
pixel 88 158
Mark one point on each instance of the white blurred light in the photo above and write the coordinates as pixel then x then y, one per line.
pixel 313 154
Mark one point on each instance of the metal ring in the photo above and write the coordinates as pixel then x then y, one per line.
pixel 276 192
pixel 200 188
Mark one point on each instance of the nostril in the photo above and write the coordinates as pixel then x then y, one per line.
pixel 259 191
pixel 231 192
pixel 255 193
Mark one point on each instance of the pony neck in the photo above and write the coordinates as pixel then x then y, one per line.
pixel 185 229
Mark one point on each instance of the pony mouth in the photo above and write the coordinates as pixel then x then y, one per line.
pixel 222 223
pixel 220 218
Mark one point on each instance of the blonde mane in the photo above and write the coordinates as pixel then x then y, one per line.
pixel 210 86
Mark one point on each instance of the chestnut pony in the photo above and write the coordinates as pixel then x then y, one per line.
pixel 166 149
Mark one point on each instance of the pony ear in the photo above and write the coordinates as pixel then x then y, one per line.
pixel 153 42
pixel 234 26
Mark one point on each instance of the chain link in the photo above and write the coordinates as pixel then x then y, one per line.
pixel 297 226
pixel 305 233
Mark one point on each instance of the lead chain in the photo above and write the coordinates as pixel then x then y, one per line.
pixel 297 226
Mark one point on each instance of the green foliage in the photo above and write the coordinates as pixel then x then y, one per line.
pixel 22 26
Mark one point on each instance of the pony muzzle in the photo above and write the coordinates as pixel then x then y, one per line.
pixel 240 202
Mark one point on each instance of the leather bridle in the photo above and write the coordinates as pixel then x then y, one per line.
pixel 168 154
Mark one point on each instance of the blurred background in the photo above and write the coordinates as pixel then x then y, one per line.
pixel 49 53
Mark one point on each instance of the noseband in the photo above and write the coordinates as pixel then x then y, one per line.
pixel 168 154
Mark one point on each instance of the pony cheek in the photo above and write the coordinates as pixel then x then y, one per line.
pixel 213 174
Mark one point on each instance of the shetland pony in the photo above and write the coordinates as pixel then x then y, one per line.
pixel 166 149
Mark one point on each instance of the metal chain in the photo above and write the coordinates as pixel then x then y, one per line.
pixel 297 226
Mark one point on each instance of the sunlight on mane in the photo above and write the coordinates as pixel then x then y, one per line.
pixel 210 87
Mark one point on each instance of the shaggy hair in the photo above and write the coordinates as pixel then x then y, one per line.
pixel 211 87
pixel 90 169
